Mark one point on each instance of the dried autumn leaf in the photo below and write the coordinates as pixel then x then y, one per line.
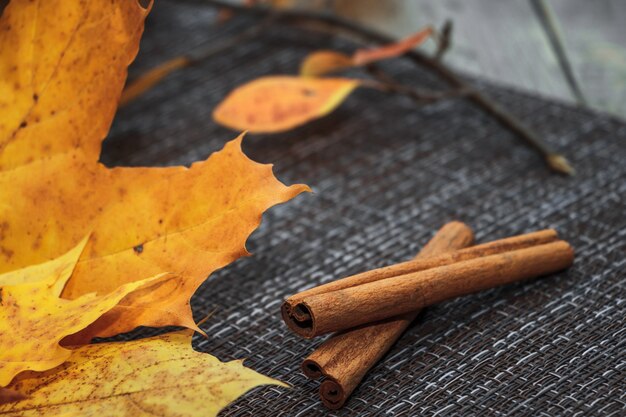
pixel 161 376
pixel 62 66
pixel 325 62
pixel 278 103
pixel 151 78
pixel 61 268
pixel 56 110
pixel 366 56
pixel 33 319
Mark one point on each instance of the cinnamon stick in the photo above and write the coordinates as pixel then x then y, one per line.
pixel 389 297
pixel 297 318
pixel 346 357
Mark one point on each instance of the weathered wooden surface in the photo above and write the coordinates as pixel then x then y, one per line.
pixel 504 41
pixel 595 37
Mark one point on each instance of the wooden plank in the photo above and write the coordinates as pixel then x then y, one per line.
pixel 594 33
pixel 551 28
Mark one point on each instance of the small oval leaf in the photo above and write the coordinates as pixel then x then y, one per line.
pixel 279 103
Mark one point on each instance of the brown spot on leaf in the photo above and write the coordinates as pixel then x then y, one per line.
pixel 138 249
pixel 37 242
pixel 4 228
pixel 7 253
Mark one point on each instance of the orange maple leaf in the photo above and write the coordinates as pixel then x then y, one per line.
pixel 62 69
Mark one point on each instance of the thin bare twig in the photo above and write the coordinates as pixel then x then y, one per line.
pixel 555 161
pixel 420 96
pixel 155 75
pixel 385 82
pixel 444 37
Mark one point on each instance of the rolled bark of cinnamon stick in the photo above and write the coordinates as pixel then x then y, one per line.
pixel 346 357
pixel 295 315
pixel 389 297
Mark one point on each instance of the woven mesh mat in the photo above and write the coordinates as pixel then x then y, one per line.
pixel 386 175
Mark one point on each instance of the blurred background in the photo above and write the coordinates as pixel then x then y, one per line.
pixel 572 50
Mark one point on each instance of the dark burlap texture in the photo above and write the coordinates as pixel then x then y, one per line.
pixel 386 175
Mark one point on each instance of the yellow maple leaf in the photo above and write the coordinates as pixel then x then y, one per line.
pixel 278 103
pixel 33 319
pixel 161 375
pixel 62 69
